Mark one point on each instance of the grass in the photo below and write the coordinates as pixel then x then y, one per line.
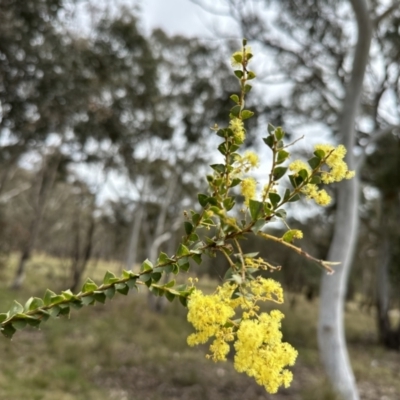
pixel 123 351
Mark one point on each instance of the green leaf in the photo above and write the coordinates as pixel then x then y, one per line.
pixel 155 277
pixel 203 199
pixel 235 111
pixel 3 317
pixel 314 162
pixel 194 237
pixel 131 283
pixel 238 57
pixel 67 294
pixel 316 180
pixel 100 297
pixel 44 315
pixel 57 299
pixel 47 297
pixel 292 180
pixel 246 114
pixel 188 227
pixel 218 167
pixel 19 324
pixel 183 301
pixel 235 182
pixel 54 311
pixel 109 278
pixel 197 258
pixel 8 331
pixel 282 156
pixel 33 303
pixel 247 88
pixel 287 194
pixel 271 129
pixel 258 225
pixel 269 141
pixel 251 75
pixel 88 300
pixel 274 198
pixel 170 296
pixel 221 132
pixel 229 202
pixel 16 308
pixel 33 322
pixel 123 289
pixel 145 277
pixel 110 292
pixel 238 73
pixel 279 133
pixel 303 173
pixel 279 172
pixel 256 208
pixel 294 198
pixel 175 268
pixel 319 153
pixel 147 265
pixel 89 286
pixel 235 98
pixel 64 312
pixel 222 149
pixel 184 264
pixel 251 255
pixel 76 304
pixel 182 251
pixel 162 259
pixel 196 219
pixel 281 214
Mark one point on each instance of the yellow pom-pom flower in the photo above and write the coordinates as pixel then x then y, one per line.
pixel 236 124
pixel 248 189
pixel 260 352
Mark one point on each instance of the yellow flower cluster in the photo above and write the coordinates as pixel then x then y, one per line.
pixel 251 158
pixel 243 164
pixel 248 189
pixel 320 196
pixel 260 352
pixel 297 234
pixel 338 168
pixel 338 171
pixel 237 126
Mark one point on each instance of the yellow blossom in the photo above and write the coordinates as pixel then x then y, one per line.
pixel 248 189
pixel 297 165
pixel 321 197
pixel 236 124
pixel 251 158
pixel 338 169
pixel 260 352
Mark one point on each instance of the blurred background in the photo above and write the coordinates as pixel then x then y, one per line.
pixel 105 116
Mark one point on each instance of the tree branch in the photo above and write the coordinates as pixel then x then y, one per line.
pixel 386 14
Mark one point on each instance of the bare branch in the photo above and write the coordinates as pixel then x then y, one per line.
pixel 386 14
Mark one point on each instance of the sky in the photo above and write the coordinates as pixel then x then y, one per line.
pixel 175 16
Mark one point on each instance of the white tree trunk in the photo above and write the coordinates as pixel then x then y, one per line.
pixel 331 336
pixel 131 257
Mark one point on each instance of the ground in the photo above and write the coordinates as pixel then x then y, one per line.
pixel 123 351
